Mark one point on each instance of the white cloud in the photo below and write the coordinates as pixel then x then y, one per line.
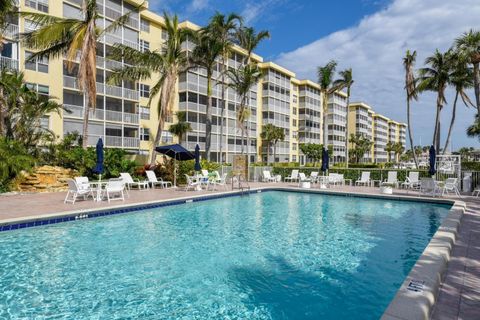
pixel 255 9
pixel 374 49
pixel 197 5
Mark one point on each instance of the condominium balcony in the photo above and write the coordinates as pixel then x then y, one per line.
pixel 11 31
pixel 8 63
pixel 101 114
pixel 119 92
pixel 115 141
pixel 111 39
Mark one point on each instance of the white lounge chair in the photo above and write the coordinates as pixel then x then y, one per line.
pixel 192 183
pixel 428 186
pixel 154 181
pixel 302 179
pixel 205 173
pixel 314 176
pixel 450 185
pixel 75 191
pixel 292 177
pixel 364 179
pixel 115 187
pixel 130 182
pixel 391 179
pixel 412 181
pixel 267 177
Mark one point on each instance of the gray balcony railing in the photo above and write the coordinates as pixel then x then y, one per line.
pixel 101 114
pixel 71 82
pixel 78 112
pixel 11 31
pixel 8 63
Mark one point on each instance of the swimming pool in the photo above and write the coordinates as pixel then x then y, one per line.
pixel 272 255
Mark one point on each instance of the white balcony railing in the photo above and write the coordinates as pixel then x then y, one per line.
pixel 11 31
pixel 8 63
pixel 78 112
pixel 72 82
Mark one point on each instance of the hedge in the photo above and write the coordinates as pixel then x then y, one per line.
pixel 353 174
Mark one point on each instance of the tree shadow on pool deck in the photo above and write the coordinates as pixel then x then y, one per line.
pixel 291 293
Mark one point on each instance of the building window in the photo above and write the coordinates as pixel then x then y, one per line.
pixel 144 134
pixel 164 34
pixel 45 122
pixel 40 5
pixel 144 90
pixel 39 88
pixel 145 113
pixel 144 25
pixel 167 137
pixel 144 46
pixel 38 64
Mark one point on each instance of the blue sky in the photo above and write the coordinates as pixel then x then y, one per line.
pixel 371 36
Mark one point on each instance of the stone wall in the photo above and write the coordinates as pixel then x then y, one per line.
pixel 45 179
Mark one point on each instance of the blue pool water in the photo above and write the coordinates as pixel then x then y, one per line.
pixel 274 255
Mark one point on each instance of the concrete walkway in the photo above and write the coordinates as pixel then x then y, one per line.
pixel 459 296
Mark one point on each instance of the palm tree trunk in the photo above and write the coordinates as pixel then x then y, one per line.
pixel 158 138
pixel 346 134
pixel 410 136
pixel 3 110
pixel 454 110
pixel 86 113
pixel 476 81
pixel 274 152
pixel 222 114
pixel 325 126
pixel 268 151
pixel 437 123
pixel 208 120
pixel 242 129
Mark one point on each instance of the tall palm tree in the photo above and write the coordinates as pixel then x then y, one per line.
pixel 325 80
pixel 208 48
pixel 242 81
pixel 74 38
pixel 180 128
pixel 163 66
pixel 469 46
pixel 345 81
pixel 389 148
pixel 410 88
pixel 474 129
pixel 223 27
pixel 249 40
pixel 461 80
pixel 398 149
pixel 272 135
pixel 435 77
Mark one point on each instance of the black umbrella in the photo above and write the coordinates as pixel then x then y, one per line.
pixel 99 164
pixel 197 167
pixel 324 160
pixel 177 152
pixel 432 160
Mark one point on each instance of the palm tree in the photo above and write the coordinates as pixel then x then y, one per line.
pixel 410 87
pixel 208 48
pixel 398 149
pixel 242 80
pixel 345 81
pixel 435 77
pixel 74 38
pixel 389 148
pixel 249 40
pixel 272 135
pixel 325 80
pixel 462 79
pixel 181 127
pixel 468 45
pixel 474 129
pixel 163 66
pixel 224 27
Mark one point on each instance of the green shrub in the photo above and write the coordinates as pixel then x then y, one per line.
pixel 470 166
pixel 13 160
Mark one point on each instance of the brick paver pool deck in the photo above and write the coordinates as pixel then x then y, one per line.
pixel 459 295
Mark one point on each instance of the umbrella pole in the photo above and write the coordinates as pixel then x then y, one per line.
pixel 175 171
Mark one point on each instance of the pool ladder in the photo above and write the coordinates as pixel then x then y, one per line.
pixel 241 183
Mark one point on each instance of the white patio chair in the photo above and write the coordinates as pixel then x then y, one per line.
pixel 391 179
pixel 314 176
pixel 191 183
pixel 219 182
pixel 74 191
pixel 154 181
pixel 364 179
pixel 205 173
pixel 292 177
pixel 267 177
pixel 115 187
pixel 131 182
pixel 450 185
pixel 336 178
pixel 477 191
pixel 412 181
pixel 428 186
pixel 83 183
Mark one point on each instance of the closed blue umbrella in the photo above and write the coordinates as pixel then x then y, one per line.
pixel 99 164
pixel 432 160
pixel 324 160
pixel 197 167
